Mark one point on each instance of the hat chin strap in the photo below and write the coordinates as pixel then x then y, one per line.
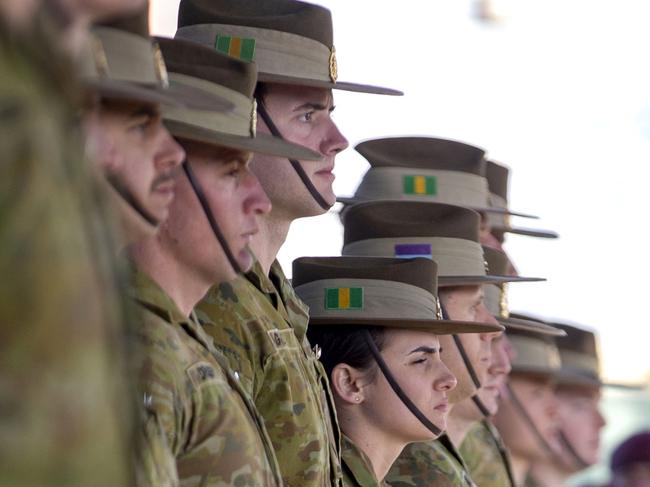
pixel 130 199
pixel 470 368
pixel 521 409
pixel 264 114
pixel 580 463
pixel 503 453
pixel 198 190
pixel 396 387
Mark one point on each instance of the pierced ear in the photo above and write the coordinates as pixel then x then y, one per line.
pixel 348 383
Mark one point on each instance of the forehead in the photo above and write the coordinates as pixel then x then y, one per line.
pixel 404 340
pixel 297 95
pixel 463 292
pixel 127 108
pixel 569 393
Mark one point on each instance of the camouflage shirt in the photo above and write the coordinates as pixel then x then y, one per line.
pixel 64 416
pixel 431 463
pixel 357 468
pixel 212 429
pixel 260 326
pixel 486 457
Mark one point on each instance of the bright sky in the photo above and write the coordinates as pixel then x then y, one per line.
pixel 560 93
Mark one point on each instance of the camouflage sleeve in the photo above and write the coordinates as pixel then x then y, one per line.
pixel 420 465
pixel 58 416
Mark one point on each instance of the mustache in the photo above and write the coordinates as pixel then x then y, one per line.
pixel 165 177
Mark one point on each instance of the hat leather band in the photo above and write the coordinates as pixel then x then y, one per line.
pixel 276 52
pixel 587 364
pixel 452 187
pixel 499 221
pixel 381 299
pixel 127 57
pixel 454 256
pixel 237 122
pixel 534 355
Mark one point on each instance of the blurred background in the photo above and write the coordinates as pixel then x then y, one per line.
pixel 558 90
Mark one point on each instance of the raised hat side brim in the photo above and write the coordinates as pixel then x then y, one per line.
pixel 175 95
pixel 531 326
pixel 529 232
pixel 439 327
pixel 261 143
pixel 448 281
pixel 316 83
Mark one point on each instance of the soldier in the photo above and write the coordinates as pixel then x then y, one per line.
pixel 371 315
pixel 578 396
pixel 482 449
pixel 260 324
pixel 527 417
pixel 449 235
pixel 62 382
pixel 211 425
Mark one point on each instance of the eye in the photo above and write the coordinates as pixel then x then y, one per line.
pixel 420 360
pixel 307 117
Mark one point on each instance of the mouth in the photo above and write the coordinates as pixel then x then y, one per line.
pixel 443 406
pixel 326 171
pixel 166 188
pixel 248 235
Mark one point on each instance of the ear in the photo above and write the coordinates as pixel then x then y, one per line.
pixel 348 382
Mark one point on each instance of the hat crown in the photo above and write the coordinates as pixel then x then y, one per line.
pixel 389 219
pixel 136 23
pixel 497 176
pixel 497 261
pixel 534 353
pixel 423 153
pixel 290 16
pixel 192 59
pixel 422 273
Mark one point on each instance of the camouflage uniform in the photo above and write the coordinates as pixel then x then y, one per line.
pixel 357 469
pixel 63 417
pixel 486 456
pixel 260 326
pixel 212 428
pixel 430 463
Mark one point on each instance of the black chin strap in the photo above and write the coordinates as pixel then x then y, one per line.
pixel 396 388
pixel 470 368
pixel 521 409
pixel 198 190
pixel 264 114
pixel 130 199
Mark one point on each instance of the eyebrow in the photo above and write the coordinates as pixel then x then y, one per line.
pixel 313 106
pixel 145 110
pixel 424 349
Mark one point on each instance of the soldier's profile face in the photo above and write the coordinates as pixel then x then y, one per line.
pixel 538 397
pixel 466 303
pixel 580 419
pixel 303 116
pixel 414 360
pixel 497 374
pixel 138 154
pixel 236 201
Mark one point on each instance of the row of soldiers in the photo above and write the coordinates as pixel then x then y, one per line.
pixel 150 336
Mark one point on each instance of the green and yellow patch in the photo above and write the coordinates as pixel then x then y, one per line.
pixel 239 47
pixel 344 298
pixel 420 185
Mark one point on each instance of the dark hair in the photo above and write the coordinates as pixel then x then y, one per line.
pixel 345 344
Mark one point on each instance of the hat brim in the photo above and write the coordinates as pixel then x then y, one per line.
pixel 529 232
pixel 545 372
pixel 439 327
pixel 261 143
pixel 175 95
pixel 315 83
pixel 531 326
pixel 351 200
pixel 448 281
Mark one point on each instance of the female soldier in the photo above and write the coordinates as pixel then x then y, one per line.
pixel 371 315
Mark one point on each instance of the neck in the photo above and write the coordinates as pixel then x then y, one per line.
pixel 380 448
pixel 458 427
pixel 183 284
pixel 549 475
pixel 266 244
pixel 520 468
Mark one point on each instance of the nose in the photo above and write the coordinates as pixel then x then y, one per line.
pixel 256 201
pixel 500 363
pixel 170 153
pixel 446 380
pixel 551 410
pixel 484 316
pixel 334 141
pixel 600 419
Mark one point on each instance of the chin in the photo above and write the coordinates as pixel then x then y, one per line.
pixel 245 260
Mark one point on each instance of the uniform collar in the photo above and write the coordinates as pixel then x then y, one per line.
pixel 358 464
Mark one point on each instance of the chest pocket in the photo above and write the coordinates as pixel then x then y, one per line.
pixel 283 340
